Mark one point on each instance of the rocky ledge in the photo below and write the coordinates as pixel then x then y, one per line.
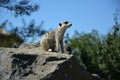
pixel 32 63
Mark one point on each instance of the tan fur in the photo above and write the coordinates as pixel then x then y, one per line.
pixel 54 39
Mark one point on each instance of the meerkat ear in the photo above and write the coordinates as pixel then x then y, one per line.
pixel 60 24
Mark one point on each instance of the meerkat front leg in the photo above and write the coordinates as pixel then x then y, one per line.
pixel 57 46
pixel 61 46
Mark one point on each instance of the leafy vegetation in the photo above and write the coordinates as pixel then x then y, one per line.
pixel 99 54
pixel 7 40
pixel 18 35
pixel 29 32
pixel 19 7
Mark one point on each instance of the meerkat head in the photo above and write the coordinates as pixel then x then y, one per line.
pixel 65 24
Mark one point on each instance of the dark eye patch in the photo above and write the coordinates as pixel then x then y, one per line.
pixel 60 24
pixel 66 22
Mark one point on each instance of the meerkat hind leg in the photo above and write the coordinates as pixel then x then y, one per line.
pixel 48 44
pixel 51 45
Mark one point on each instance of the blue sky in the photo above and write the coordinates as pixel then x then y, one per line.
pixel 85 15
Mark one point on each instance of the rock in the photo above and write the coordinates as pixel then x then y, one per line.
pixel 36 64
pixel 29 46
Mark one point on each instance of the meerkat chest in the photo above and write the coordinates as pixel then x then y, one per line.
pixel 60 34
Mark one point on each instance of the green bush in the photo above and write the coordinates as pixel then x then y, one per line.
pixel 99 54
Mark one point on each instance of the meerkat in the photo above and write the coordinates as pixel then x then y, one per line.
pixel 53 40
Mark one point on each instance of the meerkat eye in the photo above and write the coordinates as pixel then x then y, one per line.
pixel 60 24
pixel 66 22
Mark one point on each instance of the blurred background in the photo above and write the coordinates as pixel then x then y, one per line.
pixel 84 15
